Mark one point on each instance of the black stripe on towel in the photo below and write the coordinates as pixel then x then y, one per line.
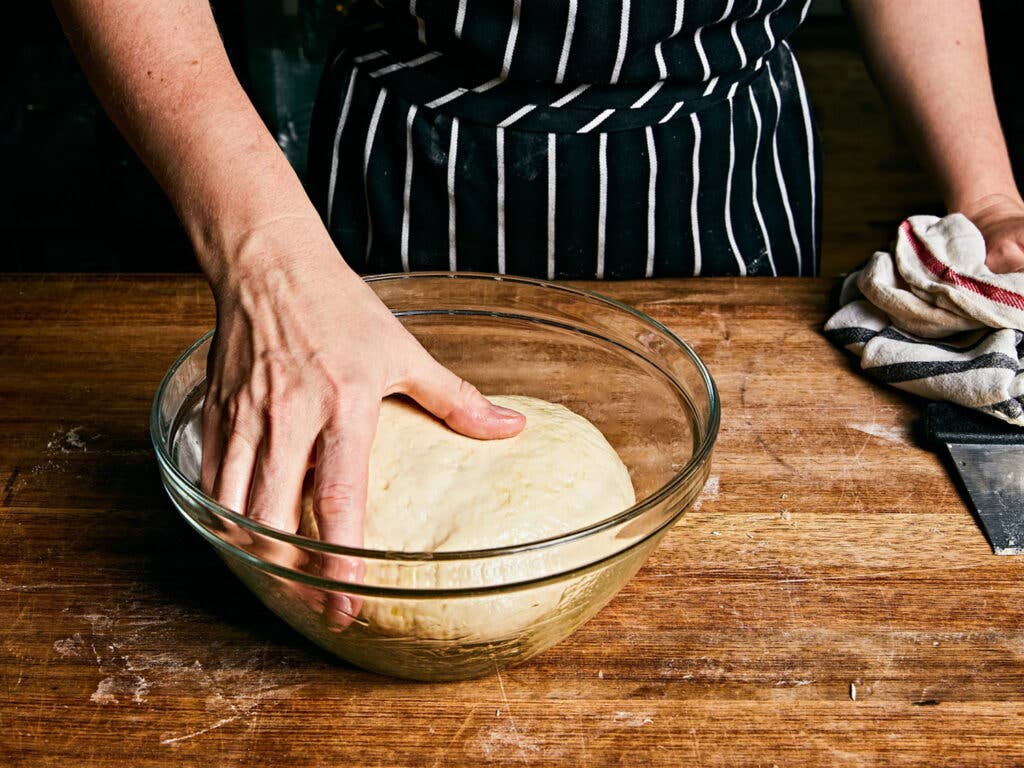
pixel 854 335
pixel 1010 409
pixel 897 372
pixel 986 333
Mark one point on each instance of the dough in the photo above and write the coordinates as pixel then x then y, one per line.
pixel 433 490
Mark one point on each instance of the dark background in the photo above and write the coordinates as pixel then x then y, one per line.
pixel 76 198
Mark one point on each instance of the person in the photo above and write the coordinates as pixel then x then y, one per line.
pixel 585 138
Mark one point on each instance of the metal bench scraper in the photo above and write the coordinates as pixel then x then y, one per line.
pixel 989 456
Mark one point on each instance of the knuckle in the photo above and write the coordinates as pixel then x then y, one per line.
pixel 337 495
pixel 280 405
pixel 350 403
pixel 211 410
pixel 233 407
pixel 411 366
pixel 466 393
pixel 332 392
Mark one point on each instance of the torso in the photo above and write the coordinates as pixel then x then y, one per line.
pixel 590 138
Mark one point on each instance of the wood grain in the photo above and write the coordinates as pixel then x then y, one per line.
pixel 832 551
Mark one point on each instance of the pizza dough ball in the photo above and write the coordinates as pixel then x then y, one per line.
pixel 434 490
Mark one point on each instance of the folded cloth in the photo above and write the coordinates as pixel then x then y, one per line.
pixel 932 319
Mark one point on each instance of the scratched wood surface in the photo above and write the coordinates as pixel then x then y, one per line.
pixel 829 551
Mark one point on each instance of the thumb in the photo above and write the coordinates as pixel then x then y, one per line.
pixel 459 404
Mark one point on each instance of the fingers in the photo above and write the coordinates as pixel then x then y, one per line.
pixel 212 446
pixel 231 485
pixel 1005 257
pixel 275 497
pixel 460 405
pixel 339 484
pixel 341 608
pixel 339 500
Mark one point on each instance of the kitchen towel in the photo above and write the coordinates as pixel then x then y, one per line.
pixel 932 319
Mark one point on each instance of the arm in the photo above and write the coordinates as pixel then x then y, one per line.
pixel 930 61
pixel 280 386
pixel 163 76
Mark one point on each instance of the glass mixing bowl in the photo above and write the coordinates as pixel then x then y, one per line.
pixel 465 614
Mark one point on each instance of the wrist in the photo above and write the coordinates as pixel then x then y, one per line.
pixel 233 238
pixel 284 250
pixel 976 206
pixel 979 192
pixel 233 198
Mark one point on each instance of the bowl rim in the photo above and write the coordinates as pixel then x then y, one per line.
pixel 705 443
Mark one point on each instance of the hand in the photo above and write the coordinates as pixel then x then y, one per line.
pixel 1001 221
pixel 303 354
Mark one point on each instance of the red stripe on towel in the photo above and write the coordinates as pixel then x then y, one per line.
pixel 949 275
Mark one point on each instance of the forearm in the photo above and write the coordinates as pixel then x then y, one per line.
pixel 162 73
pixel 929 59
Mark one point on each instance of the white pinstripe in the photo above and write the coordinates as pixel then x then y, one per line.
pixel 506 63
pixel 694 225
pixel 602 201
pixel 647 96
pixel 421 29
pixel 596 121
pixel 736 42
pixel 453 149
pixel 620 54
pixel 500 146
pixel 728 196
pixel 778 172
pixel 384 71
pixel 369 56
pixel 513 33
pixel 809 132
pixel 753 183
pixel 570 95
pixel 703 55
pixel 332 181
pixel 407 191
pixel 768 23
pixel 524 110
pixel 487 85
pixel 367 149
pixel 445 99
pixel 736 39
pixel 659 56
pixel 705 66
pixel 652 183
pixel 671 113
pixel 570 27
pixel 460 18
pixel 552 202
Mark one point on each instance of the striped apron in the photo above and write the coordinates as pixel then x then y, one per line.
pixel 576 139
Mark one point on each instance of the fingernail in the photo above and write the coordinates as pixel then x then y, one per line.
pixel 345 605
pixel 339 613
pixel 504 413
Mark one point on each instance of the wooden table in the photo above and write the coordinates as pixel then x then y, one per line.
pixel 830 603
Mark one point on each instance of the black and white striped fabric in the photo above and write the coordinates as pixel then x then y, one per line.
pixel 577 139
pixel 932 319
